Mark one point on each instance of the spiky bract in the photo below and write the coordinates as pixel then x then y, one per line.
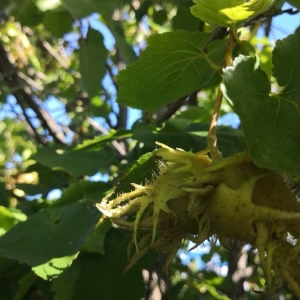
pixel 193 198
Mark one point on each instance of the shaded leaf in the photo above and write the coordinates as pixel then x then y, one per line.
pixel 274 140
pixel 172 66
pixel 30 15
pixel 58 23
pixel 4 194
pixel 67 279
pixel 102 274
pixel 183 14
pixel 126 50
pixel 25 284
pixel 98 142
pixel 82 190
pixel 160 16
pixel 192 137
pixel 80 9
pixel 92 58
pixel 94 242
pixel 295 3
pixel 137 172
pixel 79 162
pixel 48 234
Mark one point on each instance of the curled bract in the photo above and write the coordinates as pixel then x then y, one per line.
pixel 193 198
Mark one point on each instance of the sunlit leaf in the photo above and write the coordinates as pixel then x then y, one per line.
pixel 229 13
pixel 172 66
pixel 54 267
pixel 273 139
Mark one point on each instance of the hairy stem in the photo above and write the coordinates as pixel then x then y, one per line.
pixel 212 132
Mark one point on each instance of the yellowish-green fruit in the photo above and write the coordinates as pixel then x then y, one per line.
pixel 194 198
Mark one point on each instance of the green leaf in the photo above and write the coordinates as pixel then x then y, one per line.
pixel 191 137
pixel 58 23
pixel 79 162
pixel 10 217
pixel 48 179
pixel 295 3
pixel 82 190
pixel 229 13
pixel 83 8
pixel 126 50
pixel 137 172
pixel 48 234
pixel 98 142
pixel 92 58
pixel 271 122
pixel 4 194
pixel 30 15
pixel 172 66
pixel 25 284
pixel 67 279
pixel 94 242
pixel 180 20
pixel 160 16
pixel 54 267
pixel 98 108
pixel 102 274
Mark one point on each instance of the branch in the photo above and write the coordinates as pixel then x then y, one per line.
pixel 112 76
pixel 123 112
pixel 100 128
pixel 64 63
pixel 22 92
pixel 212 132
pixel 169 110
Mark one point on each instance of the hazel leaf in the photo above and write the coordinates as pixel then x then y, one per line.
pixel 273 140
pixel 229 13
pixel 173 66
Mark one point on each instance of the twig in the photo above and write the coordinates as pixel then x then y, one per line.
pixel 169 110
pixel 64 63
pixel 31 129
pixel 29 81
pixel 23 94
pixel 212 132
pixel 100 128
pixel 112 76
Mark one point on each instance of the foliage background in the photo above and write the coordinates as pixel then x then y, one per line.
pixel 64 136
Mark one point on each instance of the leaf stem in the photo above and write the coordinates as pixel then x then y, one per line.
pixel 212 132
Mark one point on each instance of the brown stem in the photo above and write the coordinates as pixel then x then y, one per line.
pixel 23 94
pixel 212 132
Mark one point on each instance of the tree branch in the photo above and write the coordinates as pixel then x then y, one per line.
pixel 22 92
